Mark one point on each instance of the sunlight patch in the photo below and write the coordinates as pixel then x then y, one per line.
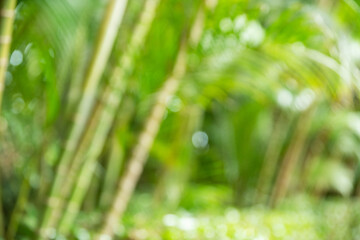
pixel 200 139
pixel 16 58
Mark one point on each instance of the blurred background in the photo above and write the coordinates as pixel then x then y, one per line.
pixel 168 119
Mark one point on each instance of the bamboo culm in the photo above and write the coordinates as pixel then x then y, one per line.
pixel 7 15
pixel 271 159
pixel 146 138
pixel 291 157
pixel 95 136
pixel 110 24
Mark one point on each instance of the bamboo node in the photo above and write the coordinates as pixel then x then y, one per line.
pixel 5 39
pixel 6 13
pixel 3 62
pixel 53 202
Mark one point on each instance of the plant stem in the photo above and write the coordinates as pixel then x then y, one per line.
pixel 103 120
pixel 115 160
pixel 106 38
pixel 7 14
pixel 291 157
pixel 147 136
pixel 114 165
pixel 18 210
pixel 271 159
pixel 316 148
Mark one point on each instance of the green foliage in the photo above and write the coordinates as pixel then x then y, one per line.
pixel 298 218
pixel 228 132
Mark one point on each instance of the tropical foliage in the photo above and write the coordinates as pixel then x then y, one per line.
pixel 165 119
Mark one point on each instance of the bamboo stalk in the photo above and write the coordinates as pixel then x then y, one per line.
pixel 7 14
pixel 22 198
pixel 141 150
pixel 271 159
pixel 140 153
pixel 315 150
pixel 101 123
pixel 107 34
pixel 291 157
pixel 117 151
pixel 18 210
pixel 114 166
pixel 78 70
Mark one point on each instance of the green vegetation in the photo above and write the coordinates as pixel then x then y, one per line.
pixel 167 119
